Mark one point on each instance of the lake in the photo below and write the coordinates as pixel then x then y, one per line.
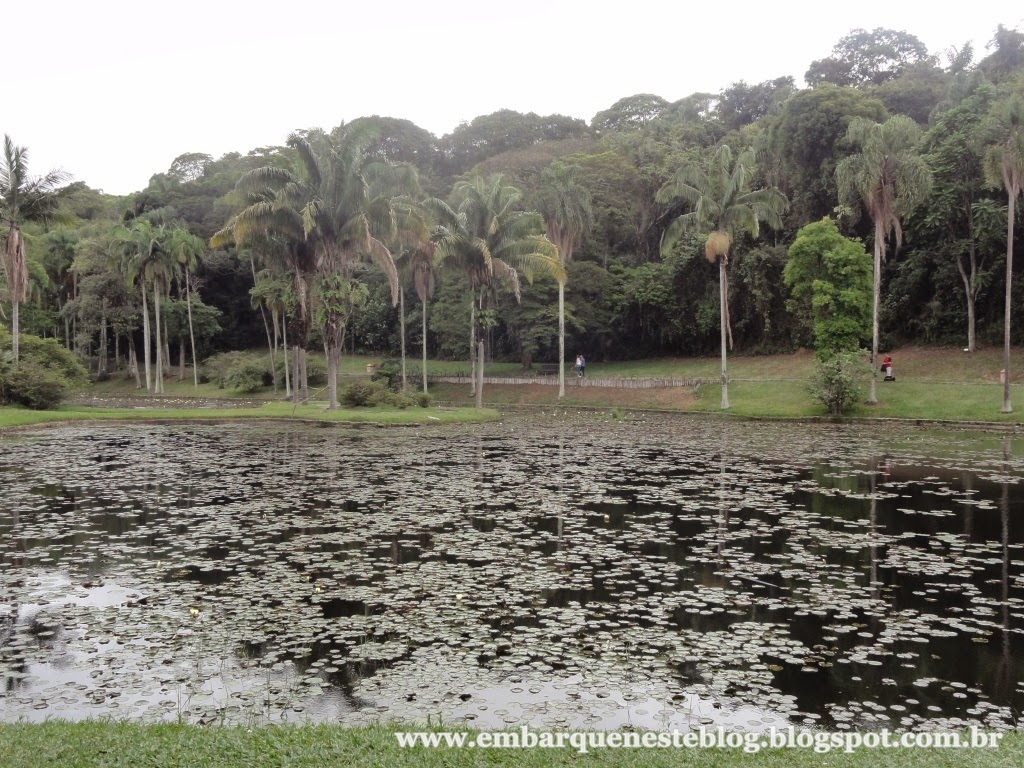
pixel 553 569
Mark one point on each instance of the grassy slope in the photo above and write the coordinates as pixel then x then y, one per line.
pixel 939 384
pixel 120 745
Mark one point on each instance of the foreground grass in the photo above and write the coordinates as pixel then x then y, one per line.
pixel 15 417
pixel 123 745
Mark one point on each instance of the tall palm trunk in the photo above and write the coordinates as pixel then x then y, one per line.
pixel 266 327
pixel 401 324
pixel 877 291
pixel 15 326
pixel 424 345
pixel 561 338
pixel 102 365
pixel 472 344
pixel 284 344
pixel 1007 408
pixel 159 341
pixel 723 289
pixel 480 373
pixel 133 362
pixel 191 332
pixel 145 338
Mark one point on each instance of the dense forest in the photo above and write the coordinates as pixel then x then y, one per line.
pixel 282 244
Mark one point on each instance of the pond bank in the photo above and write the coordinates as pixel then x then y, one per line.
pixel 18 418
pixel 124 745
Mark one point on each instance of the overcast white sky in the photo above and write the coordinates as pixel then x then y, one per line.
pixel 112 91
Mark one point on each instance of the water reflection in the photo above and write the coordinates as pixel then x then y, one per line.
pixel 573 571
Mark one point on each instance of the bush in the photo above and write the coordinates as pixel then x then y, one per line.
pixel 216 368
pixel 359 393
pixel 44 375
pixel 248 376
pixel 837 379
pixel 32 385
pixel 386 397
pixel 422 399
pixel 389 373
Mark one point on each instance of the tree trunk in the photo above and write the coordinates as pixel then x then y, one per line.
pixel 877 291
pixel 296 377
pixel 159 379
pixel 332 377
pixel 133 362
pixel 480 373
pixel 401 324
pixel 722 297
pixel 145 338
pixel 304 375
pixel 191 332
pixel 284 336
pixel 424 346
pixel 266 327
pixel 15 322
pixel 67 327
pixel 1007 407
pixel 181 359
pixel 117 350
pixel 561 338
pixel 472 344
pixel 102 365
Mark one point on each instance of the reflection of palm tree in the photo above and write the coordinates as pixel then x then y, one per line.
pixel 723 507
pixel 1004 670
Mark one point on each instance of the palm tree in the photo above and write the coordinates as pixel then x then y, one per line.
pixel 1004 164
pixel 889 177
pixel 146 261
pixel 23 198
pixel 490 241
pixel 325 208
pixel 719 197
pixel 186 249
pixel 424 278
pixel 565 204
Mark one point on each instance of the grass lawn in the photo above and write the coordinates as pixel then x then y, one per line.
pixel 121 745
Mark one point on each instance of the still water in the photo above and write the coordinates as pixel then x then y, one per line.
pixel 551 570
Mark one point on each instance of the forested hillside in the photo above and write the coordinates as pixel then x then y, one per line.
pixel 282 241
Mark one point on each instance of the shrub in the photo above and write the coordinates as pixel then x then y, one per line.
pixel 316 372
pixel 359 393
pixel 32 385
pixel 389 373
pixel 422 399
pixel 386 397
pixel 837 379
pixel 44 375
pixel 248 376
pixel 216 368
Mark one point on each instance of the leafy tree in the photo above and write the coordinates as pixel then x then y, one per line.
pixel 490 240
pixel 629 113
pixel 565 205
pixel 23 198
pixel 719 196
pixel 957 216
pixel 889 178
pixel 189 166
pixel 862 57
pixel 830 279
pixel 741 104
pixel 1004 164
pixel 1007 57
pixel 805 141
